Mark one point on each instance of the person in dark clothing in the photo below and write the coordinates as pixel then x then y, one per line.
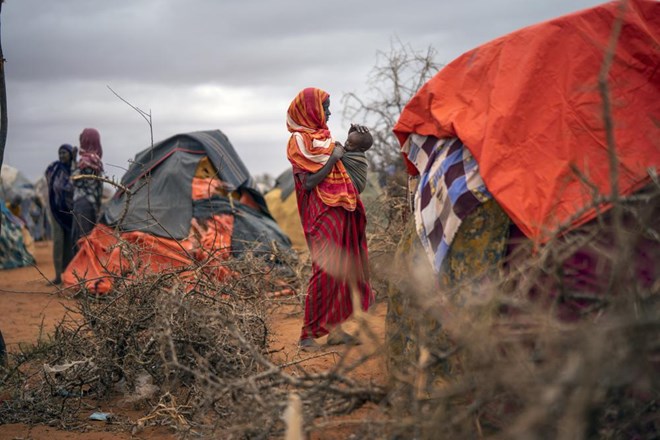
pixel 87 191
pixel 60 202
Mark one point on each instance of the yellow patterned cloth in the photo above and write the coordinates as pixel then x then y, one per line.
pixel 476 252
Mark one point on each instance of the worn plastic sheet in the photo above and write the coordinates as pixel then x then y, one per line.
pixel 106 254
pixel 528 106
pixel 218 229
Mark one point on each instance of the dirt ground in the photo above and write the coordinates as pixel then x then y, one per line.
pixel 31 307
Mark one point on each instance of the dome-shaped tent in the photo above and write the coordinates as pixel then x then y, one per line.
pixel 188 198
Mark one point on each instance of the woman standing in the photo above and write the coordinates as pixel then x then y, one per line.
pixel 60 201
pixel 87 191
pixel 333 219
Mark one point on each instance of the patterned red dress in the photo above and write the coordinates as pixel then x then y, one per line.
pixel 338 248
pixel 332 217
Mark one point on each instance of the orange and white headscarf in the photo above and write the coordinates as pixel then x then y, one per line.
pixel 311 145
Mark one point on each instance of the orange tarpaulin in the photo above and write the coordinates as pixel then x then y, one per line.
pixel 528 107
pixel 106 254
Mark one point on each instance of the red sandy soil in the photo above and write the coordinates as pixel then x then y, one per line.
pixel 30 306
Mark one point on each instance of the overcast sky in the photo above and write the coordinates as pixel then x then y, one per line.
pixel 233 65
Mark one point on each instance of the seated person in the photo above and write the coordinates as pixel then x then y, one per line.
pixel 355 161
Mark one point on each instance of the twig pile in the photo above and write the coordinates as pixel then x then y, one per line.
pixel 502 365
pixel 195 360
pixel 194 356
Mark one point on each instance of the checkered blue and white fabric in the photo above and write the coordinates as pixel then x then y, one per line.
pixel 449 189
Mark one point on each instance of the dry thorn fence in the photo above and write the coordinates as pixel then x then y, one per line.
pixel 194 354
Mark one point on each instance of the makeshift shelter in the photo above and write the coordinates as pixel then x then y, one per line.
pixel 188 199
pixel 15 183
pixel 13 249
pixel 512 138
pixel 529 108
pixel 17 188
pixel 41 191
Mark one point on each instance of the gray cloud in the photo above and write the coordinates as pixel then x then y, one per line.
pixel 201 64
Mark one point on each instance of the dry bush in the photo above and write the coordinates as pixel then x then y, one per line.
pixel 196 358
pixel 190 356
pixel 387 219
pixel 503 365
pixel 152 330
pixel 393 81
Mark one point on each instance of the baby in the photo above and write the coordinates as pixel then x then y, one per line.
pixel 358 141
pixel 355 161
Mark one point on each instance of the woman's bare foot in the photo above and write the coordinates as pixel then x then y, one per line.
pixel 309 344
pixel 340 337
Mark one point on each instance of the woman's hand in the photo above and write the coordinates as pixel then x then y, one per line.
pixel 338 151
pixel 312 180
pixel 358 128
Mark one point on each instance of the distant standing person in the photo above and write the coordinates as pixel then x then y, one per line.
pixel 87 192
pixel 60 203
pixel 333 219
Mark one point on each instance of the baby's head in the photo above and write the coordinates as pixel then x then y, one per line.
pixel 359 142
